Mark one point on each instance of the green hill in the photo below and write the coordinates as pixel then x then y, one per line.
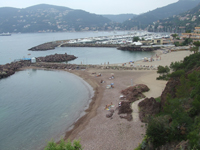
pixel 143 20
pixel 183 22
pixel 120 18
pixel 49 18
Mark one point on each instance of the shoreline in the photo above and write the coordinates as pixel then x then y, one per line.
pixel 90 111
pixel 86 126
pixel 79 131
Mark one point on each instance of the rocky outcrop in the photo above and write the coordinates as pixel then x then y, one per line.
pixel 170 89
pixel 56 58
pixel 126 110
pixel 134 93
pixel 148 107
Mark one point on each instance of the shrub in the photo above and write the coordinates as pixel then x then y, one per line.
pixel 177 74
pixel 64 145
pixel 158 130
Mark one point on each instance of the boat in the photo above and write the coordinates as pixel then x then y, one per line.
pixel 5 34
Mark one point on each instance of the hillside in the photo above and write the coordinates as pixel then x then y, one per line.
pixel 120 18
pixel 176 124
pixel 49 18
pixel 142 21
pixel 183 22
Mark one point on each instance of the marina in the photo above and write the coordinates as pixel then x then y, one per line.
pixel 144 39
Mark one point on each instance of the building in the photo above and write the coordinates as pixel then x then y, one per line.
pixel 33 60
pixel 195 36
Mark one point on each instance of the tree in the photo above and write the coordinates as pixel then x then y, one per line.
pixel 187 41
pixel 163 70
pixel 136 38
pixel 194 49
pixel 197 44
pixel 174 35
pixel 188 31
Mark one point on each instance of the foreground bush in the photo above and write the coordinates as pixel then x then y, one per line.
pixel 64 145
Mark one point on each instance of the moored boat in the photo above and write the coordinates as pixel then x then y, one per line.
pixel 5 34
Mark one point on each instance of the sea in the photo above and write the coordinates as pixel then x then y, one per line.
pixel 37 106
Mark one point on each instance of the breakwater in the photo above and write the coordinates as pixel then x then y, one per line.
pixel 10 68
pixel 53 45
pixel 137 48
pixel 56 58
pixel 47 46
pixel 88 45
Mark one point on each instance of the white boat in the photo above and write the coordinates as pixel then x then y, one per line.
pixel 5 34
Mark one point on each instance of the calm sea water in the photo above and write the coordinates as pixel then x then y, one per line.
pixel 16 47
pixel 38 105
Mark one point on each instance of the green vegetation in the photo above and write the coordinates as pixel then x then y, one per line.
pixel 179 120
pixel 147 20
pixel 196 48
pixel 136 38
pixel 64 145
pixel 164 71
pixel 174 36
pixel 187 41
pixel 183 22
pixel 158 99
pixel 47 18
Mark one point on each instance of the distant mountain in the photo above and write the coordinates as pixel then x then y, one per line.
pixel 179 23
pixel 120 18
pixel 143 20
pixel 49 18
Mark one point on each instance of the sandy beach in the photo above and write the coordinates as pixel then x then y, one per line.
pixel 97 132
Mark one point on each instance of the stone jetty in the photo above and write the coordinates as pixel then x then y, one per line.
pixel 45 46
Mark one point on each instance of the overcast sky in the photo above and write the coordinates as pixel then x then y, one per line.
pixel 96 6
